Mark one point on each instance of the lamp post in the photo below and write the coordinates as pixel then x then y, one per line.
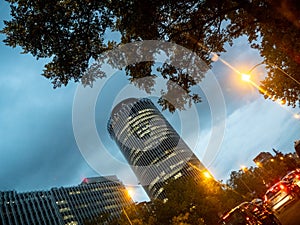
pixel 247 76
pixel 127 217
pixel 244 169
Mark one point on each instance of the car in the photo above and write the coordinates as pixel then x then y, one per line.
pixel 249 213
pixel 279 195
pixel 293 180
pixel 292 177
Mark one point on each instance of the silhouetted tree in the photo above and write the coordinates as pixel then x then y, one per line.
pixel 254 181
pixel 72 33
pixel 188 202
pixel 273 28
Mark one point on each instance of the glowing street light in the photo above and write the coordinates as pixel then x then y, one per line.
pixel 244 168
pixel 205 172
pixel 207 175
pixel 258 164
pixel 130 192
pixel 246 77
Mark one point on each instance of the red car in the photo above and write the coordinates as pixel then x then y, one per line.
pixel 293 177
pixel 279 196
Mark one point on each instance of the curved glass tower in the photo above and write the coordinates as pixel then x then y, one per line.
pixel 152 147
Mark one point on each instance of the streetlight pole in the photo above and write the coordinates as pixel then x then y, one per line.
pixel 249 72
pixel 244 169
pixel 272 65
pixel 127 216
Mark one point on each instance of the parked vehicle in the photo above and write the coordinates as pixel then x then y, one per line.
pixel 292 177
pixel 293 180
pixel 249 213
pixel 279 195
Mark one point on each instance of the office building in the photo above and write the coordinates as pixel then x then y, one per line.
pixel 28 208
pixel 94 197
pixel 297 147
pixel 262 157
pixel 152 147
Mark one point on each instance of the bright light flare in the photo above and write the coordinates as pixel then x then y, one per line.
pixel 207 175
pixel 258 164
pixel 246 77
pixel 214 57
pixel 130 192
pixel 244 168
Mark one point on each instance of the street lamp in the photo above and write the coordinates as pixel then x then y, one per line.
pixel 247 76
pixel 127 217
pixel 207 175
pixel 244 169
pixel 204 172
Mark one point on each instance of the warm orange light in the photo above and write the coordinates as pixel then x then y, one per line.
pixel 246 77
pixel 130 192
pixel 244 168
pixel 297 116
pixel 272 160
pixel 207 174
pixel 281 102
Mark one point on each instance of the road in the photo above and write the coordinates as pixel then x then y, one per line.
pixel 290 215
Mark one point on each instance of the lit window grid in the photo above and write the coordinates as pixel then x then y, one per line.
pixel 61 206
pixel 137 150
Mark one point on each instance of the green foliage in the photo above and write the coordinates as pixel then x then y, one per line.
pixel 189 202
pixel 273 28
pixel 200 201
pixel 253 182
pixel 72 33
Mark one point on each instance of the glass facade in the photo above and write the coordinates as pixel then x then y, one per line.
pixel 28 208
pixel 97 196
pixel 152 147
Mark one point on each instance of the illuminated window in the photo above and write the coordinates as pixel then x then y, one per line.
pixel 68 217
pixel 64 209
pixel 177 175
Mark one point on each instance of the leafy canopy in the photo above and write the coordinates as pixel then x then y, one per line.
pixel 72 33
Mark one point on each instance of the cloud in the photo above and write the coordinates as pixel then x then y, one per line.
pixel 255 127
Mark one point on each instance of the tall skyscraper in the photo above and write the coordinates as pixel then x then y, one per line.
pixel 152 147
pixel 97 196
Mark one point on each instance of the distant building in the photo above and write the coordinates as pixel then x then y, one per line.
pixel 104 196
pixel 262 157
pixel 152 147
pixel 29 208
pixel 297 147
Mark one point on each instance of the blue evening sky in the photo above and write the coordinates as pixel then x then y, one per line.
pixel 38 149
